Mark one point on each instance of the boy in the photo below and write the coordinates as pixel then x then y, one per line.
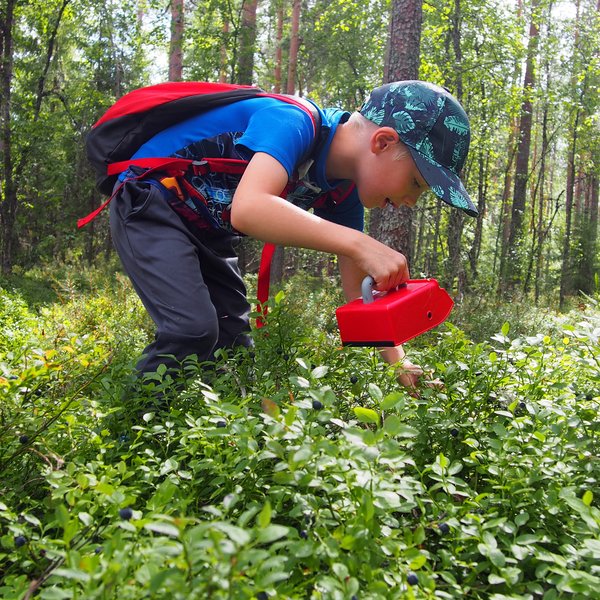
pixel 178 248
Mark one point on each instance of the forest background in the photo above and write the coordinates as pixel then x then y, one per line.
pixel 528 74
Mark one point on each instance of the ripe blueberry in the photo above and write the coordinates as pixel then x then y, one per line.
pixel 24 439
pixel 444 528
pixel 221 424
pixel 412 579
pixel 97 549
pixel 304 534
pixel 262 596
pixel 20 541
pixel 353 379
pixel 454 432
pixel 522 405
pixel 126 513
pixel 317 404
pixel 355 597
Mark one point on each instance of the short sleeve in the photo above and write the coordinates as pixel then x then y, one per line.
pixel 281 130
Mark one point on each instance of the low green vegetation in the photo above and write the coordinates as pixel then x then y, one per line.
pixel 301 470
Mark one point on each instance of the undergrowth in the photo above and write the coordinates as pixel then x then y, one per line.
pixel 298 469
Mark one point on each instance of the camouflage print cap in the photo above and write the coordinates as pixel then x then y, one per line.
pixel 434 127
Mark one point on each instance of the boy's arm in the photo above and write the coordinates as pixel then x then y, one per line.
pixel 258 211
pixel 407 373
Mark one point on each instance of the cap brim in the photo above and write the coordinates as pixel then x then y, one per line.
pixel 444 184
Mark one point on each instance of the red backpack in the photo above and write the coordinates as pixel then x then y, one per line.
pixel 140 115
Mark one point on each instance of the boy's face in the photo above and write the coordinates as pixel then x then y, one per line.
pixel 386 179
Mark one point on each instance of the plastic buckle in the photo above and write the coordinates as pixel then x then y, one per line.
pixel 172 185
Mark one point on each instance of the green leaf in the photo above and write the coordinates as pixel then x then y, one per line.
pixel 235 534
pixel 418 562
pixel 271 533
pixel 162 528
pixel 498 559
pixel 392 400
pixel 366 415
pixel 264 516
pixel 401 429
pixel 72 574
pixel 375 392
pixel 587 498
pixel 392 425
pixel 85 518
pixel 319 372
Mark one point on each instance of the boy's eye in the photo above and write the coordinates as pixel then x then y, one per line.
pixel 417 184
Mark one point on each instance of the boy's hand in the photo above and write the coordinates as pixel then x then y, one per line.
pixel 408 374
pixel 388 268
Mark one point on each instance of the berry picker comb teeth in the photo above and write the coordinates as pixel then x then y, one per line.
pixel 395 317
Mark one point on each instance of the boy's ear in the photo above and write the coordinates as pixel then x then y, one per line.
pixel 383 138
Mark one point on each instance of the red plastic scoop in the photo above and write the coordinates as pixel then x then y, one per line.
pixel 395 317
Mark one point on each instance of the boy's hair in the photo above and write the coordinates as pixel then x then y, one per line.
pixel 435 129
pixel 363 124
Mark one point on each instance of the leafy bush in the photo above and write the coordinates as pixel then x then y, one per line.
pixel 298 470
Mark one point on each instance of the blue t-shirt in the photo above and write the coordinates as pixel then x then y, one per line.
pixel 238 130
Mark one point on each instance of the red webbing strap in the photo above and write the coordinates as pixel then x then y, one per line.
pixel 161 162
pixel 85 220
pixel 153 164
pixel 264 277
pixel 171 166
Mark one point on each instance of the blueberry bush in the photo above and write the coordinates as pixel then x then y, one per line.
pixel 298 470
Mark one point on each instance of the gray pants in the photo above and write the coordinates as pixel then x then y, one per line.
pixel 188 281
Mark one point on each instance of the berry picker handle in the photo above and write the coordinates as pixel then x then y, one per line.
pixel 366 289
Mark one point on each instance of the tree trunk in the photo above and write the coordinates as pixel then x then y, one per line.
pixel 8 201
pixel 565 276
pixel 404 47
pixel 223 54
pixel 454 268
pixel 481 203
pixel 176 46
pixel 278 266
pixel 541 205
pixel 247 42
pixel 279 49
pixel 514 264
pixel 294 47
pixel 389 225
